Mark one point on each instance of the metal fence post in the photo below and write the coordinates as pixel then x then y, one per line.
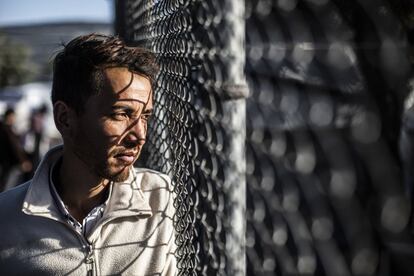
pixel 234 110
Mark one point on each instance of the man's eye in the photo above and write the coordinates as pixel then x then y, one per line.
pixel 145 116
pixel 120 116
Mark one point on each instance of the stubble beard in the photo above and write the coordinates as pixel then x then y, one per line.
pixel 105 172
pixel 99 164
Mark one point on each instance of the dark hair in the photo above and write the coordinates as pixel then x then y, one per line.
pixel 9 111
pixel 78 68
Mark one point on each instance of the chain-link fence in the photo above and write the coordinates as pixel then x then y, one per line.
pixel 307 159
pixel 327 83
pixel 197 133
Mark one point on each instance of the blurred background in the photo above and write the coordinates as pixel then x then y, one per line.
pixel 31 32
pixel 287 126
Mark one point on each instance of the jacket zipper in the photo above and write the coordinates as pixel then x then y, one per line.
pixel 89 260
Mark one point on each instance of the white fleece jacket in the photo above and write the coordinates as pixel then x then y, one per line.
pixel 134 237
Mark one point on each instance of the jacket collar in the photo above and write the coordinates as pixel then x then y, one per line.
pixel 126 198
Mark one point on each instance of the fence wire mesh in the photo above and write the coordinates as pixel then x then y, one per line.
pixel 324 183
pixel 188 134
pixel 325 193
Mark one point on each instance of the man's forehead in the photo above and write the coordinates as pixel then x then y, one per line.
pixel 128 86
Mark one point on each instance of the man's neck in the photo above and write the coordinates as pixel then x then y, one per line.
pixel 80 192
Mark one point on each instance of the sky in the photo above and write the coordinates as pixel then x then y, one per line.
pixel 18 12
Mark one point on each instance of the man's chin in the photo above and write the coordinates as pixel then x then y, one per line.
pixel 117 176
pixel 121 176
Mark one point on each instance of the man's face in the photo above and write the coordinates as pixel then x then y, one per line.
pixel 109 135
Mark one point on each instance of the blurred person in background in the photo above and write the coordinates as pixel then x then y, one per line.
pixel 36 142
pixel 87 210
pixel 13 158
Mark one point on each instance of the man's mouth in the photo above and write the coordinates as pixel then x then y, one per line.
pixel 126 157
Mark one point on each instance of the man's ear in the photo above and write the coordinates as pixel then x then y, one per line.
pixel 64 117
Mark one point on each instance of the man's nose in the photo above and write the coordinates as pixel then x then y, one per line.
pixel 136 133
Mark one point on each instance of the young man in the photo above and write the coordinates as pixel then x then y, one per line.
pixel 87 211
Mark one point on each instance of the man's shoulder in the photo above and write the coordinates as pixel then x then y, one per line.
pixel 157 188
pixel 151 179
pixel 11 201
pixel 151 172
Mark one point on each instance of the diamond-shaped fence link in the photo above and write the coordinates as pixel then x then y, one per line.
pixel 299 174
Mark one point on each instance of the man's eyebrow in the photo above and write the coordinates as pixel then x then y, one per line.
pixel 130 109
pixel 133 100
pixel 123 107
pixel 149 110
